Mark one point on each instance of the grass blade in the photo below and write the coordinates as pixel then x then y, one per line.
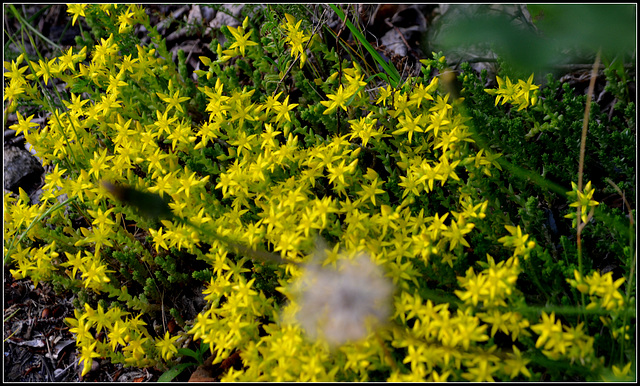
pixel 392 72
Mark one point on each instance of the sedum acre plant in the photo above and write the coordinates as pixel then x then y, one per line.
pixel 233 178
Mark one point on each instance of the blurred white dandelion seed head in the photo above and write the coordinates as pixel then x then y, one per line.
pixel 342 304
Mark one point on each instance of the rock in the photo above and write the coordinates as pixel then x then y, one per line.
pixel 22 170
pixel 208 13
pixel 195 15
pixel 229 17
pixel 405 27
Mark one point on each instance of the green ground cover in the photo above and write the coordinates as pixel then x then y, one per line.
pixel 345 222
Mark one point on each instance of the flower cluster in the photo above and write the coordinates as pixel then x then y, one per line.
pixel 492 286
pixel 241 41
pixel 128 340
pixel 297 38
pixel 602 290
pixel 354 80
pixel 558 340
pixel 392 176
pixel 518 240
pixel 522 94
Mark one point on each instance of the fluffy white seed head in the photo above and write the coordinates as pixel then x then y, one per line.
pixel 343 304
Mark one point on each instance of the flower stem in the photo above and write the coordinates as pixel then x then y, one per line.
pixel 583 140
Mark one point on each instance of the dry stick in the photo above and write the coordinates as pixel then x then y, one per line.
pixel 402 37
pixel 585 121
pixel 633 259
pixel 631 222
pixel 624 199
pixel 583 139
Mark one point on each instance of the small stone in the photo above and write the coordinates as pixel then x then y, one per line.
pixel 21 170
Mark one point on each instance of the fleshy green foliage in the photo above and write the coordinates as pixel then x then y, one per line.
pixel 546 139
pixel 279 145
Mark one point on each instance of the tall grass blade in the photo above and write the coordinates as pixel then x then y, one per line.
pixel 391 71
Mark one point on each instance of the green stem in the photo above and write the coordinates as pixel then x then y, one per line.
pixel 387 354
pixel 568 310
pixel 239 248
pixel 24 23
pixel 580 270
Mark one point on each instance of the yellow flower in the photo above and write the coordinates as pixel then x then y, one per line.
pixel 455 233
pixel 283 110
pixel 102 52
pixel 623 374
pixel 338 172
pixel 524 94
pixel 482 372
pixel 385 93
pixel 416 355
pixel 76 10
pixel 135 350
pixel 516 364
pixel 125 21
pixel 437 119
pixel 163 122
pixel 506 90
pixel 167 346
pixel 369 192
pixel 13 72
pixel 421 93
pixel 584 200
pixel 296 38
pixel 338 99
pixel 364 128
pixel 241 39
pixel 24 125
pixel 181 135
pixel 174 100
pixel 517 240
pixel 46 69
pixel 96 276
pixel 444 169
pixel 102 218
pixel 409 125
pixel 601 288
pixel 87 354
pixel 521 93
pixel 549 330
pixel 117 334
pixel 99 163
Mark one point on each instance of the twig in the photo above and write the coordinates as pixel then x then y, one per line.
pixel 402 37
pixel 624 199
pixel 221 142
pixel 631 240
pixel 583 140
pixel 585 120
